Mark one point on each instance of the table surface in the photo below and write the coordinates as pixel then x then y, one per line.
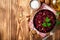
pixel 14 19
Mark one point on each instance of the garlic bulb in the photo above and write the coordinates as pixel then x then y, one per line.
pixel 54 2
pixel 35 4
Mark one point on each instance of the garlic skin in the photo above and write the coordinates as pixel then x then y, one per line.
pixel 54 2
pixel 35 4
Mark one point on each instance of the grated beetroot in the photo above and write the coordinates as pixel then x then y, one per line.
pixel 39 18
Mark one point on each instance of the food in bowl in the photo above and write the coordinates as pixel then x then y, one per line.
pixel 44 20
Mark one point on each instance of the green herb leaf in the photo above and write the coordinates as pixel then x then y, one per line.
pixel 58 13
pixel 47 19
pixel 57 22
pixel 44 25
pixel 48 24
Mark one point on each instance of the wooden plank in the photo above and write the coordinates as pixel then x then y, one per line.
pixel 4 19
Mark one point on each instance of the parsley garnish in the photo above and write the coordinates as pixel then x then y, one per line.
pixel 46 23
pixel 47 19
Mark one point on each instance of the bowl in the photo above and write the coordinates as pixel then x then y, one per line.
pixel 44 21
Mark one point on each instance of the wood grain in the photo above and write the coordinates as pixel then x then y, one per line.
pixel 14 20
